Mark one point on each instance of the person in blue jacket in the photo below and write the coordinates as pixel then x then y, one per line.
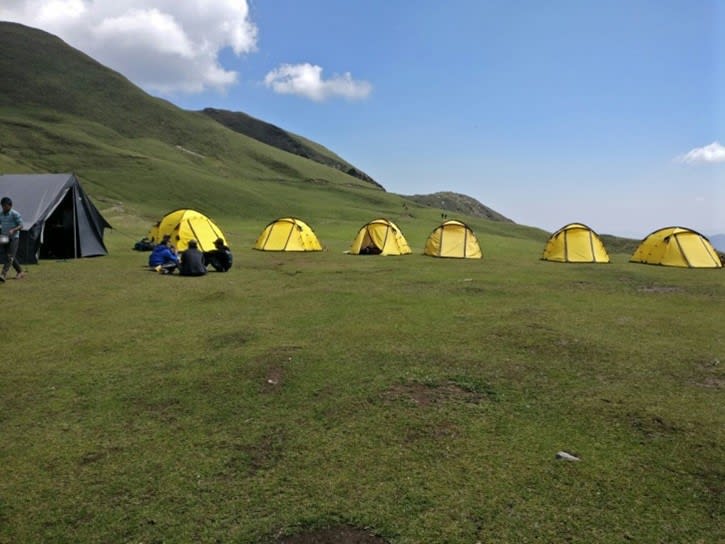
pixel 163 259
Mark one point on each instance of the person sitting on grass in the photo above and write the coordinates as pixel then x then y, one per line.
pixel 192 261
pixel 163 258
pixel 220 257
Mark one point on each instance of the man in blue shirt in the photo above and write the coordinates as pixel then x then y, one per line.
pixel 10 224
pixel 162 258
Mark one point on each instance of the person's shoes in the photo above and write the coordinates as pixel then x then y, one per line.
pixel 20 275
pixel 159 269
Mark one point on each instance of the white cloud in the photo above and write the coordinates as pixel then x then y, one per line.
pixel 715 152
pixel 306 80
pixel 162 45
pixel 55 11
pixel 132 30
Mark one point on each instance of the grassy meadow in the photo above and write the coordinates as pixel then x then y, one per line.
pixel 420 399
pixel 416 400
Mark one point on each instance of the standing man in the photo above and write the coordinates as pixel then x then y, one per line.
pixel 10 224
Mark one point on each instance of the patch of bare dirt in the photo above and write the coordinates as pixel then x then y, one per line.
pixel 425 394
pixel 659 289
pixel 711 382
pixel 343 534
pixel 262 455
pixel 712 479
pixel 165 410
pixel 274 378
pixel 272 366
pixel 445 430
pixel 96 455
pixel 712 374
pixel 234 338
pixel 651 426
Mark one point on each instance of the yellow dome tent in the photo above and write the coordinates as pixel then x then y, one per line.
pixel 288 234
pixel 677 246
pixel 453 239
pixel 575 243
pixel 379 237
pixel 184 225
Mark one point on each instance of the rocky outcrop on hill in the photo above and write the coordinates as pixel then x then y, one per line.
pixel 458 203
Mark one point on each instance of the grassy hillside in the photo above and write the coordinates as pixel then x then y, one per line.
pixel 277 137
pixel 62 111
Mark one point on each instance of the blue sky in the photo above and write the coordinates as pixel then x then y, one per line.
pixel 548 112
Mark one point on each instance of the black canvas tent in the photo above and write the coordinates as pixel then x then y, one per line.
pixel 59 220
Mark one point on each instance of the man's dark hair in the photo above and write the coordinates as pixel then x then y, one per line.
pixel 6 200
pixel 192 243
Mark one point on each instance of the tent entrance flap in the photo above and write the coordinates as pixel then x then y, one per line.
pixel 60 235
pixel 379 237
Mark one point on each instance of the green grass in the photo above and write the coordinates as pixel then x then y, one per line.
pixel 421 398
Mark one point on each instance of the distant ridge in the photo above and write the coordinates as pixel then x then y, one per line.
pixel 459 203
pixel 286 141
